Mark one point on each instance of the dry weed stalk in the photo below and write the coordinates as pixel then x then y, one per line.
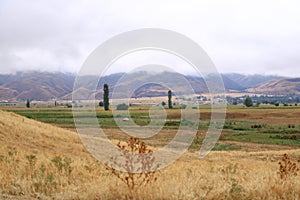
pixel 287 168
pixel 143 162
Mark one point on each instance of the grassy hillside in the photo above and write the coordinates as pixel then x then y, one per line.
pixel 279 87
pixel 40 161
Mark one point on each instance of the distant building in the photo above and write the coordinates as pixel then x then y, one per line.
pixel 8 104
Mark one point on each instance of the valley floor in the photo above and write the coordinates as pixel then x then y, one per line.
pixel 42 161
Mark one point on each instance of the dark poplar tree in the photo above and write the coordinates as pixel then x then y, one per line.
pixel 28 103
pixel 170 99
pixel 105 97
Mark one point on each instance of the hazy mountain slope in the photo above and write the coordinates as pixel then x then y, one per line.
pixel 153 84
pixel 37 86
pixel 250 81
pixel 280 87
pixel 7 93
pixel 47 86
pixel 230 84
pixel 4 78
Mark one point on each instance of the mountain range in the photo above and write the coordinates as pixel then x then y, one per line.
pixel 44 86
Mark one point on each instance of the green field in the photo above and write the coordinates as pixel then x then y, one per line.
pixel 258 125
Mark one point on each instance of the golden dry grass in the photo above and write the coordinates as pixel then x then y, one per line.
pixel 220 175
pixel 266 114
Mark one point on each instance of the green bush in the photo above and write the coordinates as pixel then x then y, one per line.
pixel 183 106
pixel 122 106
pixel 248 102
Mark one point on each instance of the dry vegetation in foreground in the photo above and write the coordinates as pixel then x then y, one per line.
pixel 40 161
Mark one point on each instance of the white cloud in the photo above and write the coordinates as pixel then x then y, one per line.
pixel 240 36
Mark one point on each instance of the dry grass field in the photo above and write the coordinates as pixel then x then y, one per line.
pixel 42 161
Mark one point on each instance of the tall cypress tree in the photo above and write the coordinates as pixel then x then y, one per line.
pixel 105 97
pixel 28 103
pixel 170 99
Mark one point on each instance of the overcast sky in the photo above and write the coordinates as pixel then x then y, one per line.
pixel 251 37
